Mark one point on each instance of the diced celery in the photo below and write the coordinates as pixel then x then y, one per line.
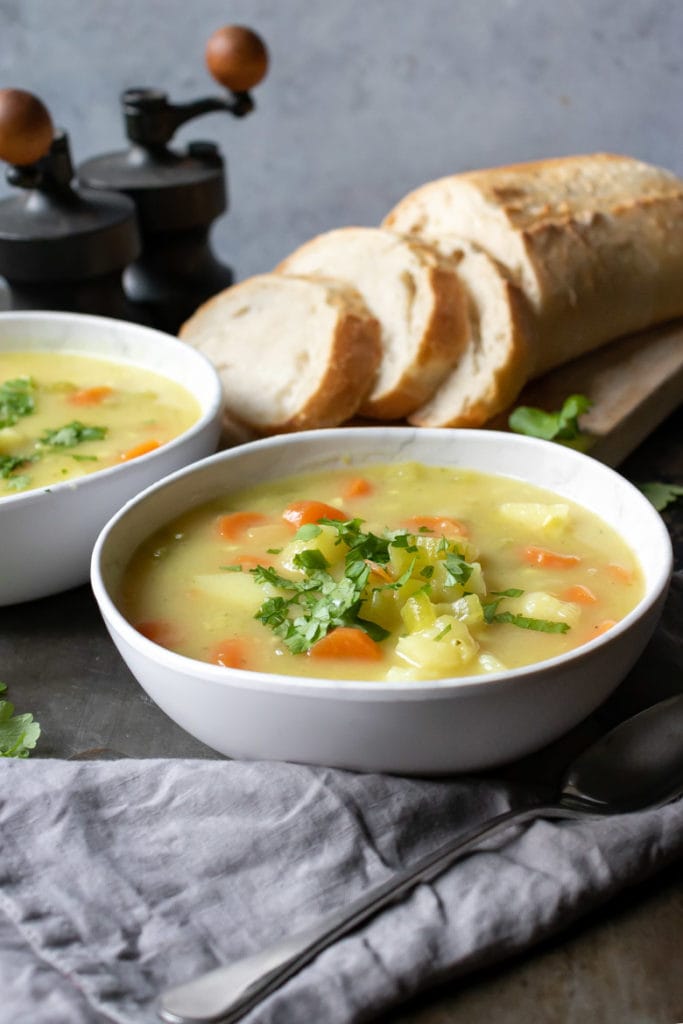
pixel 418 612
pixel 537 515
pixel 382 606
pixel 466 609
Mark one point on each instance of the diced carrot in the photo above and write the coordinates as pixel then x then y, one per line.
pixel 139 449
pixel 159 631
pixel 90 396
pixel 620 573
pixel 346 642
pixel 550 559
pixel 300 513
pixel 579 594
pixel 443 526
pixel 235 524
pixel 358 487
pixel 379 570
pixel 231 653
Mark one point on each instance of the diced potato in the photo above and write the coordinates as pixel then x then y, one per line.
pixel 325 541
pixel 489 662
pixel 234 589
pixel 535 515
pixel 383 607
pixel 540 605
pixel 443 648
pixel 11 439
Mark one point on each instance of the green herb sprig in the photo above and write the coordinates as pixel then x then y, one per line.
pixel 562 426
pixel 18 733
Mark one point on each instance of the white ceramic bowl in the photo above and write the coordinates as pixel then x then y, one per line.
pixel 435 727
pixel 47 534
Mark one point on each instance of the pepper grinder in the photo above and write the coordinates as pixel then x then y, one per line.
pixel 61 247
pixel 178 194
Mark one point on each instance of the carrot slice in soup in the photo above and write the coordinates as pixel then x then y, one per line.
pixel 549 559
pixel 359 487
pixel 247 562
pixel 90 396
pixel 603 627
pixel 300 513
pixel 620 573
pixel 235 524
pixel 443 526
pixel 346 642
pixel 159 631
pixel 579 594
pixel 139 449
pixel 233 653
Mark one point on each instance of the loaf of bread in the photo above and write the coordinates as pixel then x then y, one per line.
pixel 417 298
pixel 293 353
pixel 595 243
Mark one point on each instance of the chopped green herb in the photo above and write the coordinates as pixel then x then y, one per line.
pixel 18 483
pixel 70 435
pixel 427 572
pixel 16 400
pixel 8 463
pixel 459 571
pixel 562 426
pixel 273 551
pixel 541 625
pixel 308 531
pixel 231 568
pixel 446 629
pixel 85 458
pixel 661 494
pixel 18 733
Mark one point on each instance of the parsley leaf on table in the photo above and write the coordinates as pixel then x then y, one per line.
pixel 661 494
pixel 562 426
pixel 18 733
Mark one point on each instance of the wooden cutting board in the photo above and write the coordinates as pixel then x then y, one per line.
pixel 634 384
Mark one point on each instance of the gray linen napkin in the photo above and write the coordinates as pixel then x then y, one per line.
pixel 118 879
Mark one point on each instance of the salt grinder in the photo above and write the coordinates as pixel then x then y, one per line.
pixel 178 194
pixel 61 247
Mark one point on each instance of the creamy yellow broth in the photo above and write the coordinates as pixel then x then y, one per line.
pixel 482 573
pixel 65 415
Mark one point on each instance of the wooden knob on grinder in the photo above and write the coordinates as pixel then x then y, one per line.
pixel 236 57
pixel 26 130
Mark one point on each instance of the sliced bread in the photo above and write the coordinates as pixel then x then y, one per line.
pixel 595 242
pixel 293 353
pixel 416 296
pixel 495 363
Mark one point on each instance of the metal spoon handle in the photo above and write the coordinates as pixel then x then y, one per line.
pixel 229 992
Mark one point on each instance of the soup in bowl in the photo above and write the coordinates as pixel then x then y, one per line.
pixel 91 412
pixel 396 600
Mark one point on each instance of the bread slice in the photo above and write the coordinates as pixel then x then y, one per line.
pixel 416 296
pixel 293 353
pixel 496 361
pixel 595 242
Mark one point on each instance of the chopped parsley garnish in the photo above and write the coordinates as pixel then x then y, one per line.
pixel 8 463
pixel 18 733
pixel 491 614
pixel 562 426
pixel 311 606
pixel 661 494
pixel 16 400
pixel 70 435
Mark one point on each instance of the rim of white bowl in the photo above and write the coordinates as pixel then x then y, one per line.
pixel 211 401
pixel 324 686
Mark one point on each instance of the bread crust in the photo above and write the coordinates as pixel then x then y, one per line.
pixel 595 242
pixel 351 355
pixel 443 331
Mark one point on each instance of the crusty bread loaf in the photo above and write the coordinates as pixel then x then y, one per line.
pixel 293 352
pixel 497 358
pixel 595 242
pixel 416 296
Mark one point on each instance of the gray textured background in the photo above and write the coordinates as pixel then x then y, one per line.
pixel 365 99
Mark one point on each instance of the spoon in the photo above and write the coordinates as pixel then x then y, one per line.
pixel 637 765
